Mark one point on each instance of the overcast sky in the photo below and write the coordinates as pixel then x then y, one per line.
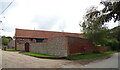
pixel 52 15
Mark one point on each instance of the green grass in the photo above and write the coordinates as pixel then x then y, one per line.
pixel 38 54
pixel 11 50
pixel 89 56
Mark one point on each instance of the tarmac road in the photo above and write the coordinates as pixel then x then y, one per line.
pixel 16 60
pixel 108 63
pixel 0 59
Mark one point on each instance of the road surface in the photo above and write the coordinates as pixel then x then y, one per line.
pixel 0 59
pixel 108 63
pixel 111 62
pixel 16 60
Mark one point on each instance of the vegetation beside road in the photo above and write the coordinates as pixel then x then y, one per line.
pixel 89 56
pixel 38 54
pixel 11 50
pixel 73 57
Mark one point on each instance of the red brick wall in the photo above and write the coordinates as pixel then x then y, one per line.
pixel 78 45
pixel 102 48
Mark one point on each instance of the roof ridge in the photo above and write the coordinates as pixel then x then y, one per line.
pixel 48 31
pixel 43 34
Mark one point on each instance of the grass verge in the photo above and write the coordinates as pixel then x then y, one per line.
pixel 38 54
pixel 11 50
pixel 89 56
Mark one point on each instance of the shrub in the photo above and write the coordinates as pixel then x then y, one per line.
pixel 113 43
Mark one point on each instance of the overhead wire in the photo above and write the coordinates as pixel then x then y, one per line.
pixel 6 7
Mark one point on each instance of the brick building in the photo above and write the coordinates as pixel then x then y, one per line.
pixel 53 43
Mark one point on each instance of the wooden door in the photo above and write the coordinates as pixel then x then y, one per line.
pixel 26 47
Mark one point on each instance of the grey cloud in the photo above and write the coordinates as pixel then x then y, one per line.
pixel 7 27
pixel 45 23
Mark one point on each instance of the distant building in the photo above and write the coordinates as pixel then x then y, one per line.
pixel 50 42
pixel 11 44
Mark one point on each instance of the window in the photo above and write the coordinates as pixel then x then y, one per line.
pixel 39 39
pixel 31 39
pixel 21 39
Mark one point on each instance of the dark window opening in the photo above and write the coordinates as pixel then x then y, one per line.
pixel 21 39
pixel 31 39
pixel 39 40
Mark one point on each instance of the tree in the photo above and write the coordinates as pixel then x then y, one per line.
pixel 114 37
pixel 93 30
pixel 109 12
pixel 6 40
pixel 94 27
pixel 115 32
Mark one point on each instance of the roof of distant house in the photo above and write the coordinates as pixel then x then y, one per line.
pixel 24 33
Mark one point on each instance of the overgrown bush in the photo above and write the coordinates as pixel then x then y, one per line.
pixel 113 43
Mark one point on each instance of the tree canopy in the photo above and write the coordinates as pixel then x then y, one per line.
pixel 109 12
pixel 6 40
pixel 94 27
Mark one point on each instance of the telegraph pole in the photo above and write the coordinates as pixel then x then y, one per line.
pixel 1 32
pixel 0 36
pixel 1 22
